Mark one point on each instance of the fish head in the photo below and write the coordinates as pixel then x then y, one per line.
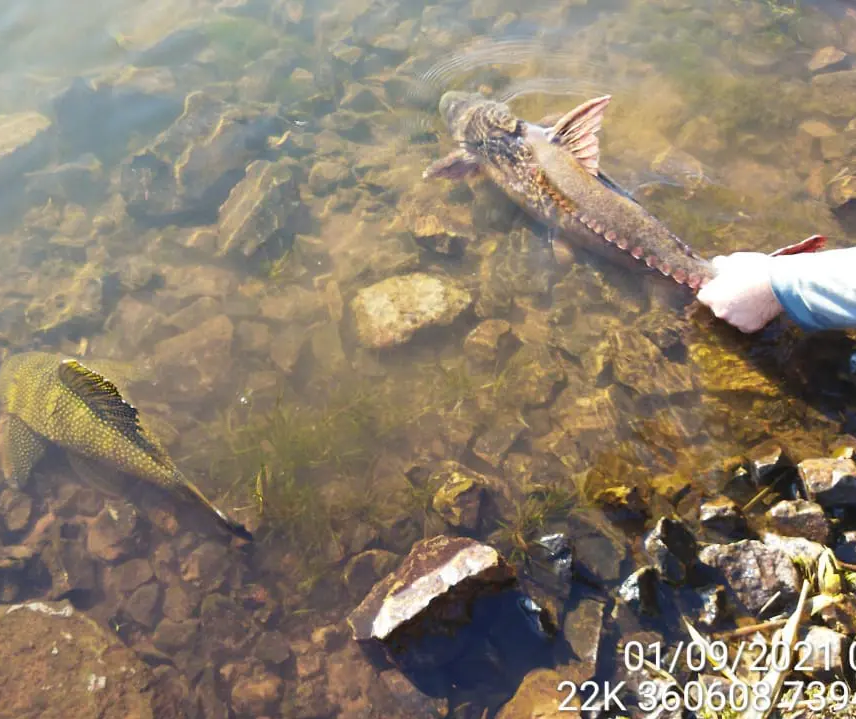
pixel 488 133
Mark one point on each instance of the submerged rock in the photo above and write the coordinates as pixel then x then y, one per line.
pixel 191 166
pixel 258 208
pixel 753 572
pixel 58 663
pixel 25 145
pixel 459 497
pixel 390 312
pixel 431 593
pixel 672 549
pixel 639 591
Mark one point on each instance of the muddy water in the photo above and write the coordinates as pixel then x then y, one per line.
pixel 730 120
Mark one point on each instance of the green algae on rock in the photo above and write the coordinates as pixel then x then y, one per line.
pixel 390 312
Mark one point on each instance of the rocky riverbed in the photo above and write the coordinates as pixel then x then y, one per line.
pixel 476 465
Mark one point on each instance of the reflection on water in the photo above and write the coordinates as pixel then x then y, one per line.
pixel 214 196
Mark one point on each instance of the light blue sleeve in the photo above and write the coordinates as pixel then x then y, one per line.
pixel 818 291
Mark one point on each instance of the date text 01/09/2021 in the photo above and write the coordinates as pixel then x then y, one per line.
pixel 697 695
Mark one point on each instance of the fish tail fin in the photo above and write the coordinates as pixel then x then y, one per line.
pixel 235 527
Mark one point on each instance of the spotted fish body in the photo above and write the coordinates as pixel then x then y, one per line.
pixel 554 174
pixel 50 400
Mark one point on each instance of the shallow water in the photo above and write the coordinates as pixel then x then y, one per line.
pixel 246 357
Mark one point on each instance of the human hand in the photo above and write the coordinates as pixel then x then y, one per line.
pixel 741 293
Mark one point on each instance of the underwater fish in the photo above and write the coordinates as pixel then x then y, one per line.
pixel 48 399
pixel 554 173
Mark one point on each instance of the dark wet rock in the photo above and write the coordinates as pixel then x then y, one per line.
pixel 533 376
pixel 272 648
pixel 71 567
pixel 294 304
pixel 829 482
pixel 767 461
pixel 537 696
pixel 253 336
pixel 136 272
pixel 16 557
pixel 191 166
pixel 672 548
pixel 193 314
pixel 195 361
pixel 797 548
pixel 286 347
pixel 583 630
pixel 824 653
pixel 128 576
pixel 410 699
pixel 639 591
pixel 16 508
pixel 722 515
pixel 494 443
pixel 714 605
pixel 753 572
pixel 799 518
pixel 840 192
pixel 178 602
pixel 205 567
pixel 171 636
pixel 366 569
pixel 835 92
pixel 326 176
pixel 253 695
pixel 114 532
pixel 185 282
pixel 390 312
pixel 258 208
pixel 57 663
pixel 485 343
pixel 826 58
pixel 75 301
pixel 81 181
pixel 361 99
pixel 210 704
pixel 26 143
pixel 520 264
pixel 639 364
pixel 459 497
pixel 599 548
pixel 554 552
pixel 142 605
pixel 224 624
pixel 845 550
pixel 430 594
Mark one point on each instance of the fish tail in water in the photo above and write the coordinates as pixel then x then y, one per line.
pixel 235 527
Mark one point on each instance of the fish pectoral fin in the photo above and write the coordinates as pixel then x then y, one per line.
pixel 20 449
pixel 104 480
pixel 809 244
pixel 454 166
pixel 577 132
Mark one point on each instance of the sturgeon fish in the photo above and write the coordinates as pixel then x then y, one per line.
pixel 554 174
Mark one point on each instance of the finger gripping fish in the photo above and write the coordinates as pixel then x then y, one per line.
pixel 554 173
pixel 47 399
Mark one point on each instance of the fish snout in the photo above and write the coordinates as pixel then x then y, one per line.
pixel 452 107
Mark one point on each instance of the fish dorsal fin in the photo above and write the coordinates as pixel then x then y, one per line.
pixel 577 132
pixel 105 401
